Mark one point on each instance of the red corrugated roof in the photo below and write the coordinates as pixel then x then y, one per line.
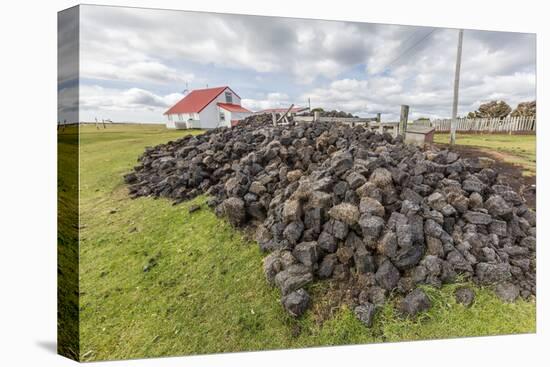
pixel 197 100
pixel 233 107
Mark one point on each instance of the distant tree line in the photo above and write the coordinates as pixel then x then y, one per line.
pixel 501 109
pixel 492 109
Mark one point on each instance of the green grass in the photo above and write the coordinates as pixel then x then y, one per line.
pixel 67 242
pixel 207 293
pixel 516 149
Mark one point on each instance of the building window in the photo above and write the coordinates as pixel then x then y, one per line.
pixel 222 116
pixel 180 118
pixel 169 117
pixel 228 97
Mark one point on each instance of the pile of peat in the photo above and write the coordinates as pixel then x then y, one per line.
pixel 333 201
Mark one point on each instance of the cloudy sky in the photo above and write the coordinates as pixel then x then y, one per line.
pixel 135 63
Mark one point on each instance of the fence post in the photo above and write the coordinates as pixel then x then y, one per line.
pixel 379 117
pixel 316 116
pixel 403 120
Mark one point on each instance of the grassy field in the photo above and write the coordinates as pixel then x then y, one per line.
pixel 67 242
pixel 204 291
pixel 516 149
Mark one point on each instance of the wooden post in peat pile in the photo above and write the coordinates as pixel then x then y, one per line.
pixel 403 120
pixel 283 116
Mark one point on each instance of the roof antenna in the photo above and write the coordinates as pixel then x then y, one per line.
pixel 186 90
pixel 206 85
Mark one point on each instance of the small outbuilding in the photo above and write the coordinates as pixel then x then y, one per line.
pixel 419 135
pixel 207 109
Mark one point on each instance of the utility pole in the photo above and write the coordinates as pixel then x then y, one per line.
pixel 457 82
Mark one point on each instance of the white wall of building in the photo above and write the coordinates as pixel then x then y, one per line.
pixel 209 117
pixel 227 120
pixel 222 99
pixel 170 123
pixel 180 119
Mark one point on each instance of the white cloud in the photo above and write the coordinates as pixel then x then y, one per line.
pixel 271 100
pixel 357 67
pixel 67 104
pixel 305 48
pixel 424 79
pixel 111 103
pixel 385 95
pixel 67 43
pixel 141 71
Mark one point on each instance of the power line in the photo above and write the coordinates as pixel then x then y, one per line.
pixel 409 49
pixel 411 36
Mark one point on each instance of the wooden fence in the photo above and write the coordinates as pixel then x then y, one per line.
pixel 522 124
pixel 345 120
pixel 508 124
pixel 371 123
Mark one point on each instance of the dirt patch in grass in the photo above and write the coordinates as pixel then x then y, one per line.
pixel 516 149
pixel 332 294
pixel 525 185
pixel 329 297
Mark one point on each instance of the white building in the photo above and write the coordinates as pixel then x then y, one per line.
pixel 207 109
